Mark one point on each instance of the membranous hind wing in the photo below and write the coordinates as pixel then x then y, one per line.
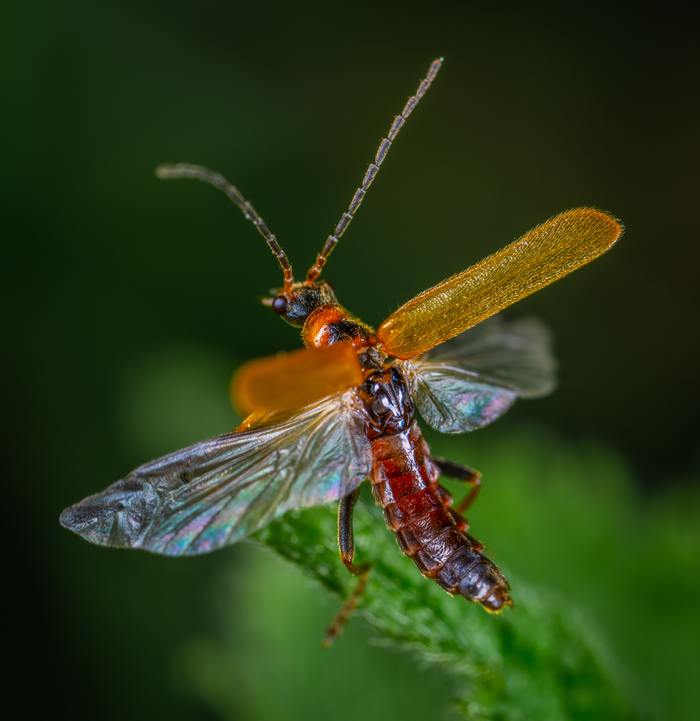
pixel 218 491
pixel 473 379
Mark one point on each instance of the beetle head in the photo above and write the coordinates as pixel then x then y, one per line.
pixel 296 303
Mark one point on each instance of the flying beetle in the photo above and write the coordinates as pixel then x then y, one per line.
pixel 323 419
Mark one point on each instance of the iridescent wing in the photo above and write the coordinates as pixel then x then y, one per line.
pixel 216 492
pixel 470 381
pixel 543 255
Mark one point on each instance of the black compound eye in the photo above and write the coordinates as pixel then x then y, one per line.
pixel 279 305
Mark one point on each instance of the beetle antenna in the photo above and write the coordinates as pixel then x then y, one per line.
pixel 198 172
pixel 372 171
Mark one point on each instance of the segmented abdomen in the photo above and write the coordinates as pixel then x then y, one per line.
pixel 405 485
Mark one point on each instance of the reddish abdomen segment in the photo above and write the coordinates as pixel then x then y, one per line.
pixel 405 485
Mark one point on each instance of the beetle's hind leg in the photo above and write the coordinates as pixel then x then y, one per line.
pixel 346 547
pixel 461 473
pixel 473 478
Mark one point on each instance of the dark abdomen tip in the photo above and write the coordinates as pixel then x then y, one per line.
pixel 472 575
pixel 485 584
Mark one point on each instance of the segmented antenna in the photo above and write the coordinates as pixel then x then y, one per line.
pixel 372 171
pixel 197 172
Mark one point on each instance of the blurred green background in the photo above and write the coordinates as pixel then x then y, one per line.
pixel 130 301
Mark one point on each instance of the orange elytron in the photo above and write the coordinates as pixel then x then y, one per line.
pixel 324 419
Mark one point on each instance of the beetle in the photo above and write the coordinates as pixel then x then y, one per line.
pixel 323 419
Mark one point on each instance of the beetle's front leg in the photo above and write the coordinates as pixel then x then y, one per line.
pixel 346 547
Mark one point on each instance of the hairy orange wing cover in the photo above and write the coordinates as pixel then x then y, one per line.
pixel 292 380
pixel 546 253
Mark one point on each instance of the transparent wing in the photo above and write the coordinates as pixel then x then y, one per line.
pixel 216 492
pixel 470 381
pixel 515 354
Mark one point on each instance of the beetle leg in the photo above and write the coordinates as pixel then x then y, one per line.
pixel 461 473
pixel 346 547
pixel 446 497
pixel 346 536
pixel 460 521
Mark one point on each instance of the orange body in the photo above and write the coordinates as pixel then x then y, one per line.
pixel 332 323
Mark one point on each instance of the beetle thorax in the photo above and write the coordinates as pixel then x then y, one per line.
pixel 331 324
pixel 387 402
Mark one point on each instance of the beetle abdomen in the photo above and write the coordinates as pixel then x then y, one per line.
pixel 405 485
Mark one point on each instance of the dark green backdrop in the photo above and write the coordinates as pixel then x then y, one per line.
pixel 129 301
